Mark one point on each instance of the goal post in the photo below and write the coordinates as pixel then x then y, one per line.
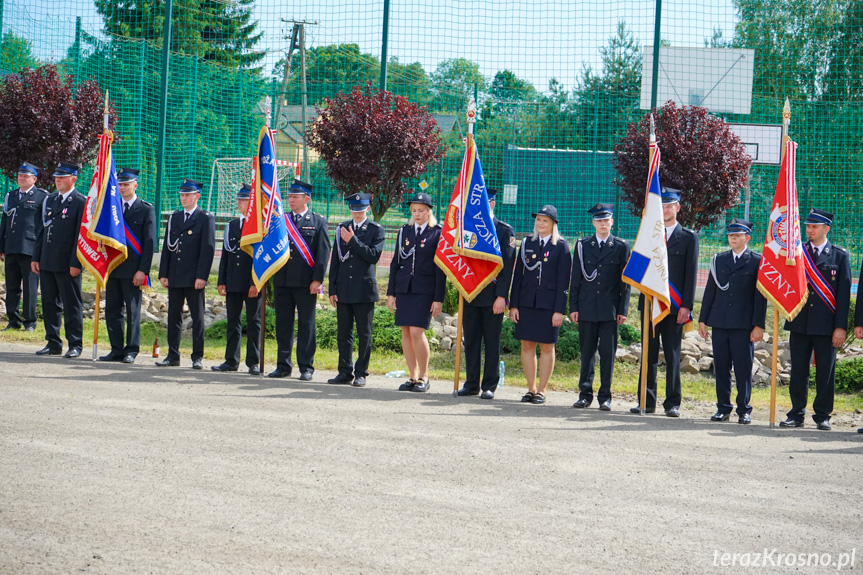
pixel 229 174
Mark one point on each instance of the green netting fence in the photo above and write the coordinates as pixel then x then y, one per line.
pixel 557 81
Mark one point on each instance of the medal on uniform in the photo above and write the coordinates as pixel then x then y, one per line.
pixel 533 256
pixel 190 232
pixel 407 242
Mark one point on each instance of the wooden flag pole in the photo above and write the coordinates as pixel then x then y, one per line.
pixel 645 339
pixel 789 260
pixel 98 285
pixel 262 337
pixel 458 345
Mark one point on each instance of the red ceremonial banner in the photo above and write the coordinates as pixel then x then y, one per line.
pixel 782 274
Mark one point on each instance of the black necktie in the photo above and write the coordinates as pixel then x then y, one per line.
pixel 297 218
pixel 186 219
pixel 125 207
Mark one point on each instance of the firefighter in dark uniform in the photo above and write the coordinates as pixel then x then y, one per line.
pixel 819 327
pixel 353 287
pixel 298 284
pixel 483 318
pixel 598 303
pixel 20 225
pixel 126 282
pixel 236 285
pixel 184 266
pixel 682 246
pixel 735 309
pixel 538 300
pixel 55 259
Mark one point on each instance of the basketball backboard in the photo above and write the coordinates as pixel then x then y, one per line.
pixel 763 141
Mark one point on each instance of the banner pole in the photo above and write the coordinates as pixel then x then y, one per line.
pixel 773 368
pixel 458 345
pixel 645 342
pixel 262 336
pixel 96 322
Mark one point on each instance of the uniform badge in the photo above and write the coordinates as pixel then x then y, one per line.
pixel 190 232
pixel 407 242
pixel 533 256
pixel 512 242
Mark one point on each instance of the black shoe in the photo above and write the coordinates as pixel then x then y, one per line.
pixel 305 376
pixel 791 422
pixel 279 373
pixel 73 353
pixel 254 370
pixel 538 399
pixel 745 419
pixel 340 379
pixel 487 394
pixel 860 430
pixel 167 362
pixel 824 425
pixel 30 328
pixel 12 326
pixel 605 405
pixel 672 412
pixel 527 397
pixel 636 409
pixel 110 357
pixel 129 357
pixel 719 416
pixel 464 391
pixel 197 364
pixel 421 386
pixel 581 403
pixel 48 350
pixel 359 382
pixel 224 367
pixel 408 385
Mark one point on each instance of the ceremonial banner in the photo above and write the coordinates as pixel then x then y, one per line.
pixel 265 233
pixel 102 239
pixel 647 268
pixel 782 274
pixel 469 249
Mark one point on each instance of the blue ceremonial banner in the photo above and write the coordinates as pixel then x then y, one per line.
pixel 647 268
pixel 265 232
pixel 477 235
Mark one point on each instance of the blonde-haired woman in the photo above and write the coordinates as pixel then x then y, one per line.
pixel 538 298
pixel 416 288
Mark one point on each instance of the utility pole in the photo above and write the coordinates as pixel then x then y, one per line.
pixel 300 26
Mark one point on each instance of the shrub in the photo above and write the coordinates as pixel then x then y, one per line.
pixel 849 375
pixel 450 299
pixel 386 334
pixel 628 334
pixel 219 329
pixel 567 349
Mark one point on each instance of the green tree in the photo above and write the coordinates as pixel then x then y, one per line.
pixel 454 82
pixel 329 70
pixel 15 54
pixel 213 30
pixel 410 81
pixel 507 93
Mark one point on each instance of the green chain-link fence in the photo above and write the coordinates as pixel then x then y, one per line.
pixel 557 82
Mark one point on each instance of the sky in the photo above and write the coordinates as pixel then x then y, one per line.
pixel 537 40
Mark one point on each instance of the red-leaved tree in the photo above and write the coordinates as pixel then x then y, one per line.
pixel 372 141
pixel 42 123
pixel 701 157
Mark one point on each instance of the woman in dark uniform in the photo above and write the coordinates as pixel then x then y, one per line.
pixel 416 288
pixel 538 298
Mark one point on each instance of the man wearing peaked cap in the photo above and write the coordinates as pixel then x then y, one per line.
pixel 353 287
pixel 125 284
pixel 820 325
pixel 598 302
pixel 298 283
pixel 483 317
pixel 55 259
pixel 682 247
pixel 184 266
pixel 735 310
pixel 237 286
pixel 20 224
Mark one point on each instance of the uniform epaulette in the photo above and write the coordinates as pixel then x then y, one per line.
pixel 146 203
pixel 374 223
pixel 843 250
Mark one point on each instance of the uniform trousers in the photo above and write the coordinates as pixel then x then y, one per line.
pixel 195 299
pixel 482 327
pixel 61 301
pixel 123 306
pixel 802 345
pixel 731 347
pixel 18 274
pixel 671 333
pixel 234 301
pixel 363 315
pixel 595 335
pixel 288 301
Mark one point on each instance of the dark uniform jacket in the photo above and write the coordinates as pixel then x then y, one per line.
pixel 353 281
pixel 188 249
pixel 741 306
pixel 606 296
pixel 816 318
pixel 682 266
pixel 141 221
pixel 21 221
pixel 235 267
pixel 56 247
pixel 500 287
pixel 296 272
pixel 418 273
pixel 546 286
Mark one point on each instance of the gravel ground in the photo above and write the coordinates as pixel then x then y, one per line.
pixel 135 469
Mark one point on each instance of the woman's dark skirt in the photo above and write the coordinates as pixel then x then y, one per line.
pixel 414 309
pixel 535 325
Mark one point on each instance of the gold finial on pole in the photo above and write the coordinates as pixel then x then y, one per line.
pixel 105 116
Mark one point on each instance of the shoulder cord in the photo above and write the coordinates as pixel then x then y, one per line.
pixel 172 246
pixel 342 257
pixel 713 273
pixel 226 241
pixel 587 277
pixel 405 255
